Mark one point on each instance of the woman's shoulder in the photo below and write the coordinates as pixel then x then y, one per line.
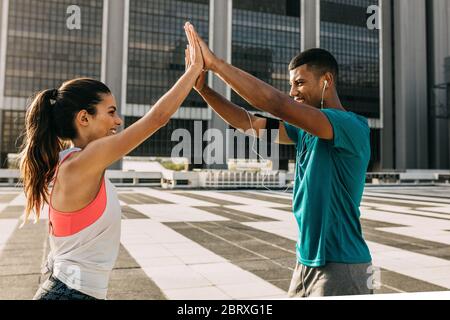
pixel 70 176
pixel 68 168
pixel 69 152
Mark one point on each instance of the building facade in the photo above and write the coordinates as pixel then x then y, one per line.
pixel 392 72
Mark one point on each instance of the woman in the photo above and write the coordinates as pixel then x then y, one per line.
pixel 84 210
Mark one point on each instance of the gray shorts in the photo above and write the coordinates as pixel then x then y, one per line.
pixel 333 279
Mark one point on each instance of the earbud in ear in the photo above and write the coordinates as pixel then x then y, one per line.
pixel 325 85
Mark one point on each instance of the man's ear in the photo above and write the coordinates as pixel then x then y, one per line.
pixel 82 118
pixel 331 82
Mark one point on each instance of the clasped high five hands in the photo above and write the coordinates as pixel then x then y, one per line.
pixel 209 59
pixel 193 51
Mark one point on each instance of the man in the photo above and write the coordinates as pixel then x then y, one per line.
pixel 333 152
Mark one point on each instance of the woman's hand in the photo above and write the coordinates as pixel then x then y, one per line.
pixel 194 52
pixel 210 60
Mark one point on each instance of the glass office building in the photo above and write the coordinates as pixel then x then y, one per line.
pixel 265 37
pixel 38 51
pixel 41 52
pixel 344 32
pixel 156 43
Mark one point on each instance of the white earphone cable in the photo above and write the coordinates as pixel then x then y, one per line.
pixel 304 150
pixel 323 93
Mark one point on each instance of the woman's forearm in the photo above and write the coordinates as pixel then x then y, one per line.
pixel 169 103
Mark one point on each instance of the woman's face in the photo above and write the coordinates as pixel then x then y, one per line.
pixel 106 121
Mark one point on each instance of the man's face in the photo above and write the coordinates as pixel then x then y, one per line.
pixel 305 86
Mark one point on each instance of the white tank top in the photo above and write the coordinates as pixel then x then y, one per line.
pixel 84 260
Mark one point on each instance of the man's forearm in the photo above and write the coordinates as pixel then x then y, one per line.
pixel 256 92
pixel 231 113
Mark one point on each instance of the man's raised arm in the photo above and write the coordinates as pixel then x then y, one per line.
pixel 267 98
pixel 234 115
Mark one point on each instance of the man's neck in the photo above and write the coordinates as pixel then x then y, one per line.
pixel 333 103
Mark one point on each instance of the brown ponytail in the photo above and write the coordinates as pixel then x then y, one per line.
pixel 40 153
pixel 49 126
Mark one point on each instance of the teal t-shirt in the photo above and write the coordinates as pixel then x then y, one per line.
pixel 328 187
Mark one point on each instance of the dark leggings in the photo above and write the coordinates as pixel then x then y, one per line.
pixel 54 289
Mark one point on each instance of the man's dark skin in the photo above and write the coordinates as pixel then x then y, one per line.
pixel 300 108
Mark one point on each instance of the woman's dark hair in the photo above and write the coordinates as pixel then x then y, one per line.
pixel 49 126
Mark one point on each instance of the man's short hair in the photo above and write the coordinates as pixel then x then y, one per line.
pixel 320 60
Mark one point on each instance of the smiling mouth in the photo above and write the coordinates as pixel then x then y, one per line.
pixel 113 131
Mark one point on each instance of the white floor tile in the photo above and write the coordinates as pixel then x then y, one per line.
pixel 176 277
pixel 272 213
pixel 202 293
pixel 160 262
pixel 7 227
pixel 242 200
pixel 175 213
pixel 199 259
pixel 145 251
pixel 174 198
pixel 411 264
pixel 20 200
pixel 251 290
pixel 225 273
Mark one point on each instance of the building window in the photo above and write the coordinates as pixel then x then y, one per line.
pixel 42 52
pixel 344 32
pixel 160 144
pixel 156 44
pixel 12 133
pixel 266 36
pixel 156 47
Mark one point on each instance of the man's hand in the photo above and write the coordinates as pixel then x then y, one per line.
pixel 209 57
